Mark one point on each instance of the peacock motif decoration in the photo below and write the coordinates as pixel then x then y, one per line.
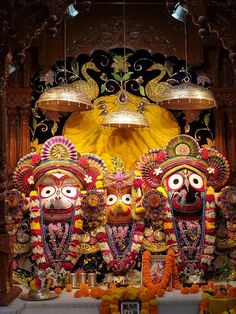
pixel 155 87
pixel 89 87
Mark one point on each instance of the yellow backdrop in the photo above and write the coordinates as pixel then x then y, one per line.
pixel 84 130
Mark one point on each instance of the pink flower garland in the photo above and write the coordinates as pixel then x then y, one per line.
pixel 209 237
pixel 130 258
pixel 37 239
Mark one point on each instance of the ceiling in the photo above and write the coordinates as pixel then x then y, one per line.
pixel 22 21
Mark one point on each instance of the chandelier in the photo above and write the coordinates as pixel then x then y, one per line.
pixel 125 118
pixel 64 97
pixel 186 96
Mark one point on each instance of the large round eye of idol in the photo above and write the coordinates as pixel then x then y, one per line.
pixel 175 181
pixel 47 191
pixel 126 199
pixel 111 199
pixel 196 182
pixel 69 191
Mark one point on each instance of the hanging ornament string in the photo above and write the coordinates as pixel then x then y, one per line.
pixel 186 46
pixel 124 38
pixel 65 42
pixel 124 28
pixel 187 77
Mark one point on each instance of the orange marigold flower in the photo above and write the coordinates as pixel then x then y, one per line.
pixel 77 294
pixel 194 288
pixel 185 290
pixel 96 292
pixel 160 292
pixel 204 305
pixel 58 290
pixel 210 283
pixel 68 287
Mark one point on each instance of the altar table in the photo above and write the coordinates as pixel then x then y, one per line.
pixel 172 303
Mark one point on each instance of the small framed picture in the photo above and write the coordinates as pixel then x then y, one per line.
pixel 157 267
pixel 129 307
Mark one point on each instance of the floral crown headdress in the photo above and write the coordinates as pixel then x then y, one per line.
pixel 183 151
pixel 58 154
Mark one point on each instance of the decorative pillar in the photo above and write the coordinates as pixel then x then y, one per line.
pixel 219 115
pixel 12 156
pixel 225 123
pixel 3 176
pixel 8 292
pixel 24 131
pixel 231 138
pixel 18 109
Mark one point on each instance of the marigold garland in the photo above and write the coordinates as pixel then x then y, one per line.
pixel 170 268
pixel 111 297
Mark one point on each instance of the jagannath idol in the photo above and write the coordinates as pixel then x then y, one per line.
pixel 183 177
pixel 84 218
pixel 113 233
pixel 55 179
pixel 120 238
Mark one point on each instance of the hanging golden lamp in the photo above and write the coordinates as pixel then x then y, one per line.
pixel 125 118
pixel 64 98
pixel 187 96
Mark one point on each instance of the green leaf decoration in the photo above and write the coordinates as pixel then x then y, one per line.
pixel 141 90
pixel 35 123
pixel 127 76
pixel 35 113
pixel 117 77
pixel 207 119
pixel 103 88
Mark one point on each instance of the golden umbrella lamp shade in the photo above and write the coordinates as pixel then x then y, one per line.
pixel 187 96
pixel 64 98
pixel 125 119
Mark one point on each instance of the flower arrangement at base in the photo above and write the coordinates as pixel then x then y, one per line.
pixel 111 298
pixel 218 299
pixel 170 271
pixel 38 283
pixel 39 287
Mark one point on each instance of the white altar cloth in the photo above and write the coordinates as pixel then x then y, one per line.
pixel 172 302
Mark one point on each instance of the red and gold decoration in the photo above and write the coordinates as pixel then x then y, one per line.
pixel 81 212
pixel 56 178
pixel 187 175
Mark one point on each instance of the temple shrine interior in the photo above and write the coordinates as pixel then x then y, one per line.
pixel 117 156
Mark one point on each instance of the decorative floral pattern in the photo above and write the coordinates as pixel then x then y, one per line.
pixel 38 241
pixel 207 243
pixel 127 259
